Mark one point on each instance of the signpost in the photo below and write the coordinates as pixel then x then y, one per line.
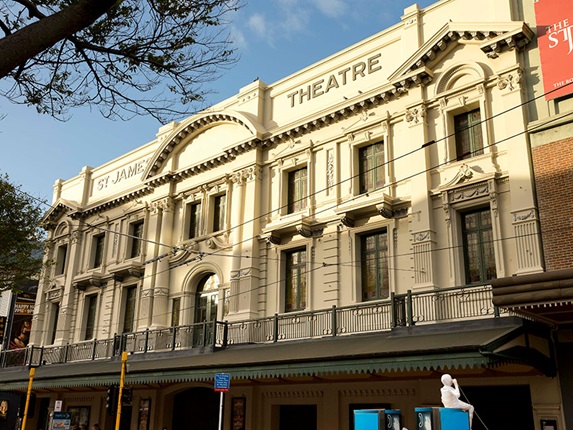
pixel 222 385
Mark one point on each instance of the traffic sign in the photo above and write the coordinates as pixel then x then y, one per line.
pixel 222 382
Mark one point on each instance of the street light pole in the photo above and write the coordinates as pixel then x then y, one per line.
pixel 31 380
pixel 121 381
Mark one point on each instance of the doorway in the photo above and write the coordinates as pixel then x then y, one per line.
pixel 197 408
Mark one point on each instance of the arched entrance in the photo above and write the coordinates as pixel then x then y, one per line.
pixel 197 409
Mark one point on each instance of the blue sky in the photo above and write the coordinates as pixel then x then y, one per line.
pixel 274 37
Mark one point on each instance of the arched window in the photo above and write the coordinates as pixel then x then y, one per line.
pixel 206 298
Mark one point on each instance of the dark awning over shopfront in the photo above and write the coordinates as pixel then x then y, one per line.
pixel 440 347
pixel 544 296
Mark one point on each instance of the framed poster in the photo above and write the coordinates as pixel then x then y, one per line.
pixel 238 413
pixel 80 416
pixel 143 421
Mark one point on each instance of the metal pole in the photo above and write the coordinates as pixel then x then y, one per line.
pixel 221 412
pixel 121 380
pixel 32 372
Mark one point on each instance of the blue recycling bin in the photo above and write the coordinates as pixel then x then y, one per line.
pixel 368 419
pixel 377 419
pixel 454 419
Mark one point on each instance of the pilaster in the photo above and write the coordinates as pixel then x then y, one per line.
pixel 423 242
pixel 163 274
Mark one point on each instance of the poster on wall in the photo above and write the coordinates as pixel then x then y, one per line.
pixel 22 322
pixel 554 20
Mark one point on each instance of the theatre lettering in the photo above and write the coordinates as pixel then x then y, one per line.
pixel 335 80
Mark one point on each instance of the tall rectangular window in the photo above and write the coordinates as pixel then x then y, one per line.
pixel 61 257
pixel 219 210
pixel 194 220
pixel 479 255
pixel 297 190
pixel 99 241
pixel 371 170
pixel 469 140
pixel 91 308
pixel 295 280
pixel 374 254
pixel 136 232
pixel 55 317
pixel 129 309
pixel 175 312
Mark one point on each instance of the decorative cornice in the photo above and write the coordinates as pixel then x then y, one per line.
pixel 515 39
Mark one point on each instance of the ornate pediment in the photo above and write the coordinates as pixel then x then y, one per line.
pixel 495 38
pixel 195 125
pixel 466 174
pixel 59 209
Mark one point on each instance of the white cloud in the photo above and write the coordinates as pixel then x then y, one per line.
pixel 331 8
pixel 258 24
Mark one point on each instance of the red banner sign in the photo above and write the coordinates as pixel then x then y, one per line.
pixel 555 39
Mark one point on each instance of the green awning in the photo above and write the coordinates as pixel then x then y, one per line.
pixel 431 347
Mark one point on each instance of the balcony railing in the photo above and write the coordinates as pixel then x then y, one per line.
pixel 398 310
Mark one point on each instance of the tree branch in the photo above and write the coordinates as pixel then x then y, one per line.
pixel 31 40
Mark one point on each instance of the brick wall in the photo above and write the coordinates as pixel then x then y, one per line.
pixel 553 166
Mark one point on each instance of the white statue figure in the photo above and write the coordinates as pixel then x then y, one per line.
pixel 451 396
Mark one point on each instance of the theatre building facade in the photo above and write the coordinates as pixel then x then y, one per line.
pixel 328 240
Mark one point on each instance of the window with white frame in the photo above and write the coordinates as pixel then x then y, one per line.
pixel 194 225
pixel 136 234
pixel 219 212
pixel 295 280
pixel 61 258
pixel 175 311
pixel 468 134
pixel 478 246
pixel 297 190
pixel 129 309
pixel 371 167
pixel 374 265
pixel 54 316
pixel 90 319
pixel 98 250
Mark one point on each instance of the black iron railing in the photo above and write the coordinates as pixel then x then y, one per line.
pixel 428 307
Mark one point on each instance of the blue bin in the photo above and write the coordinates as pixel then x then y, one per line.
pixel 369 419
pixel 454 419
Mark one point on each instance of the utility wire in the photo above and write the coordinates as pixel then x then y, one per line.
pixel 352 177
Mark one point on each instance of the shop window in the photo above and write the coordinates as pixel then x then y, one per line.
pixel 136 233
pixel 98 247
pixel 90 309
pixel 374 257
pixel 129 309
pixel 61 257
pixel 219 211
pixel 371 167
pixel 194 220
pixel 297 190
pixel 479 255
pixel 295 280
pixel 468 132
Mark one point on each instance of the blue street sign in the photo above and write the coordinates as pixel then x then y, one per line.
pixel 222 382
